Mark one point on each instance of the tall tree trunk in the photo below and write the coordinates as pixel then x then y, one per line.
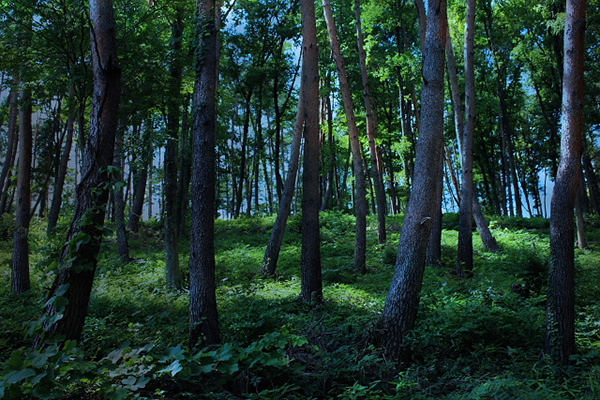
pixel 269 263
pixel 78 259
pixel 20 253
pixel 204 322
pixel 371 132
pixel 400 311
pixel 312 285
pixel 580 221
pixel 172 272
pixel 360 205
pixel 464 258
pixel 64 163
pixel 560 304
pixel 484 231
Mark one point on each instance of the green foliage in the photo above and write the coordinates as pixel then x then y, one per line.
pixel 473 339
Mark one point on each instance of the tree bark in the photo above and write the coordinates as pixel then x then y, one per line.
pixel 312 286
pixel 122 243
pixel 464 258
pixel 402 302
pixel 172 272
pixel 371 132
pixel 204 322
pixel 560 305
pixel 20 253
pixel 78 259
pixel 360 204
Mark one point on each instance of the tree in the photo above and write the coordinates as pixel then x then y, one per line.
pixel 560 306
pixel 172 272
pixel 360 202
pixel 20 254
pixel 272 252
pixel 464 260
pixel 64 163
pixel 402 301
pixel 78 261
pixel 312 285
pixel 371 131
pixel 204 322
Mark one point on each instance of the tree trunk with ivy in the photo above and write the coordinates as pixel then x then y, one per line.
pixel 70 292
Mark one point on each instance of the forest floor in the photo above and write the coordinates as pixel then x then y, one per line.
pixel 474 339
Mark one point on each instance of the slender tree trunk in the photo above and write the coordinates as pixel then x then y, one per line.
pixel 312 286
pixel 122 244
pixel 64 163
pixel 400 311
pixel 331 171
pixel 580 221
pixel 560 304
pixel 269 263
pixel 185 171
pixel 78 259
pixel 434 246
pixel 139 193
pixel 371 133
pixel 476 212
pixel 12 139
pixel 172 272
pixel 204 322
pixel 20 253
pixel 464 259
pixel 360 244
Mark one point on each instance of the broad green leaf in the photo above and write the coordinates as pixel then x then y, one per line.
pixel 20 376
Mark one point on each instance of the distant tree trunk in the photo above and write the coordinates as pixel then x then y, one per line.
pixel 434 246
pixel 360 204
pixel 20 253
pixel 78 259
pixel 371 133
pixel 13 140
pixel 331 171
pixel 560 304
pixel 64 164
pixel 185 171
pixel 312 286
pixel 592 183
pixel 122 244
pixel 482 227
pixel 400 311
pixel 242 175
pixel 204 321
pixel 172 272
pixel 580 221
pixel 269 263
pixel 140 179
pixel 464 259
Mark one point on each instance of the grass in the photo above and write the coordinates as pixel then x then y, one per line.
pixel 474 339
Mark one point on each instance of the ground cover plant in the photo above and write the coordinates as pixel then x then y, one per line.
pixel 480 338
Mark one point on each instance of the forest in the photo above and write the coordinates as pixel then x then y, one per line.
pixel 269 199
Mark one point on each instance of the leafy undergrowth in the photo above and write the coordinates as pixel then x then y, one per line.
pixel 475 339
